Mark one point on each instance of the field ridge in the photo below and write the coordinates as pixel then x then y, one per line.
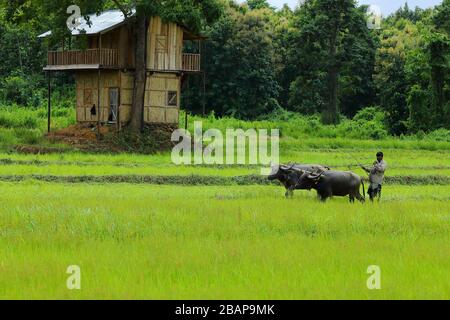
pixel 190 180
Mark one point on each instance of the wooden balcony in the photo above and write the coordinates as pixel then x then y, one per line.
pixel 106 58
pixel 191 62
pixel 80 59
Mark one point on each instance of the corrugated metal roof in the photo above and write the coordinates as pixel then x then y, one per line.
pixel 106 21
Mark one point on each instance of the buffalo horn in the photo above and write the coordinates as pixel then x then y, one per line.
pixel 316 176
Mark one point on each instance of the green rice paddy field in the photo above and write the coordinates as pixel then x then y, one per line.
pixel 230 241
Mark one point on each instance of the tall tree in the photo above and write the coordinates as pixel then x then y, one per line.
pixel 238 60
pixel 438 47
pixel 399 40
pixel 258 4
pixel 285 74
pixel 329 36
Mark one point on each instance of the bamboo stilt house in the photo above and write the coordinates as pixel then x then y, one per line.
pixel 104 71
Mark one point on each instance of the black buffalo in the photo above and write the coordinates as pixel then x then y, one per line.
pixel 332 183
pixel 289 175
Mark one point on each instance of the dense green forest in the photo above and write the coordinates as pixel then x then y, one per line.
pixel 319 60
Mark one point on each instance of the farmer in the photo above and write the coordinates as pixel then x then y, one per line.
pixel 376 175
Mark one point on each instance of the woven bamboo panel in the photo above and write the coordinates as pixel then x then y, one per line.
pixel 125 113
pixel 127 80
pixel 156 83
pixel 147 102
pixel 81 115
pixel 94 97
pixel 156 115
pixel 104 114
pixel 165 45
pixel 158 98
pixel 104 98
pixel 179 48
pixel 159 86
pixel 126 96
pixel 146 114
pixel 79 81
pixel 172 115
pixel 172 84
pixel 91 80
pixel 110 80
pixel 80 98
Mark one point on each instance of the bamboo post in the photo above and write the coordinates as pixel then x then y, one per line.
pixel 204 93
pixel 187 103
pixel 100 50
pixel 98 105
pixel 199 55
pixel 49 105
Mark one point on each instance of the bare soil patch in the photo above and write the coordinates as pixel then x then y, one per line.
pixel 91 138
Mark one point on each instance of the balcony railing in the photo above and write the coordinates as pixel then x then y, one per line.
pixel 191 62
pixel 103 57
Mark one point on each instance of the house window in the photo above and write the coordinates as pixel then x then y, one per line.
pixel 87 97
pixel 172 98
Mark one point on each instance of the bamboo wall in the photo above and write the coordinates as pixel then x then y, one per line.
pixel 165 45
pixel 87 95
pixel 120 39
pixel 156 106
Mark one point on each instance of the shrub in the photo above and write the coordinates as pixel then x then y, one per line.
pixel 15 90
pixel 30 122
pixel 20 89
pixel 27 136
pixel 439 135
pixel 6 121
pixel 367 123
pixel 370 114
pixel 7 137
pixel 60 112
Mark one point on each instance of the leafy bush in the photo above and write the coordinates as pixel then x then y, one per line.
pixel 7 137
pixel 439 135
pixel 6 121
pixel 27 136
pixel 60 112
pixel 21 90
pixel 30 122
pixel 370 114
pixel 17 117
pixel 367 124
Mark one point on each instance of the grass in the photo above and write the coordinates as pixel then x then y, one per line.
pixel 401 163
pixel 20 125
pixel 220 235
pixel 202 180
pixel 101 170
pixel 168 242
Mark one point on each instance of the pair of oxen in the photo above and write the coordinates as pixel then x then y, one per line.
pixel 326 182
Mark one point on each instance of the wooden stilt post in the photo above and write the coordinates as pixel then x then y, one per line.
pixel 98 87
pixel 118 111
pixel 204 93
pixel 49 105
pixel 187 103
pixel 99 110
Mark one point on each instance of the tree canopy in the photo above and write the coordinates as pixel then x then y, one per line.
pixel 317 59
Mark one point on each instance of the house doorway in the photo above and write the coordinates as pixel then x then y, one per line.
pixel 113 105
